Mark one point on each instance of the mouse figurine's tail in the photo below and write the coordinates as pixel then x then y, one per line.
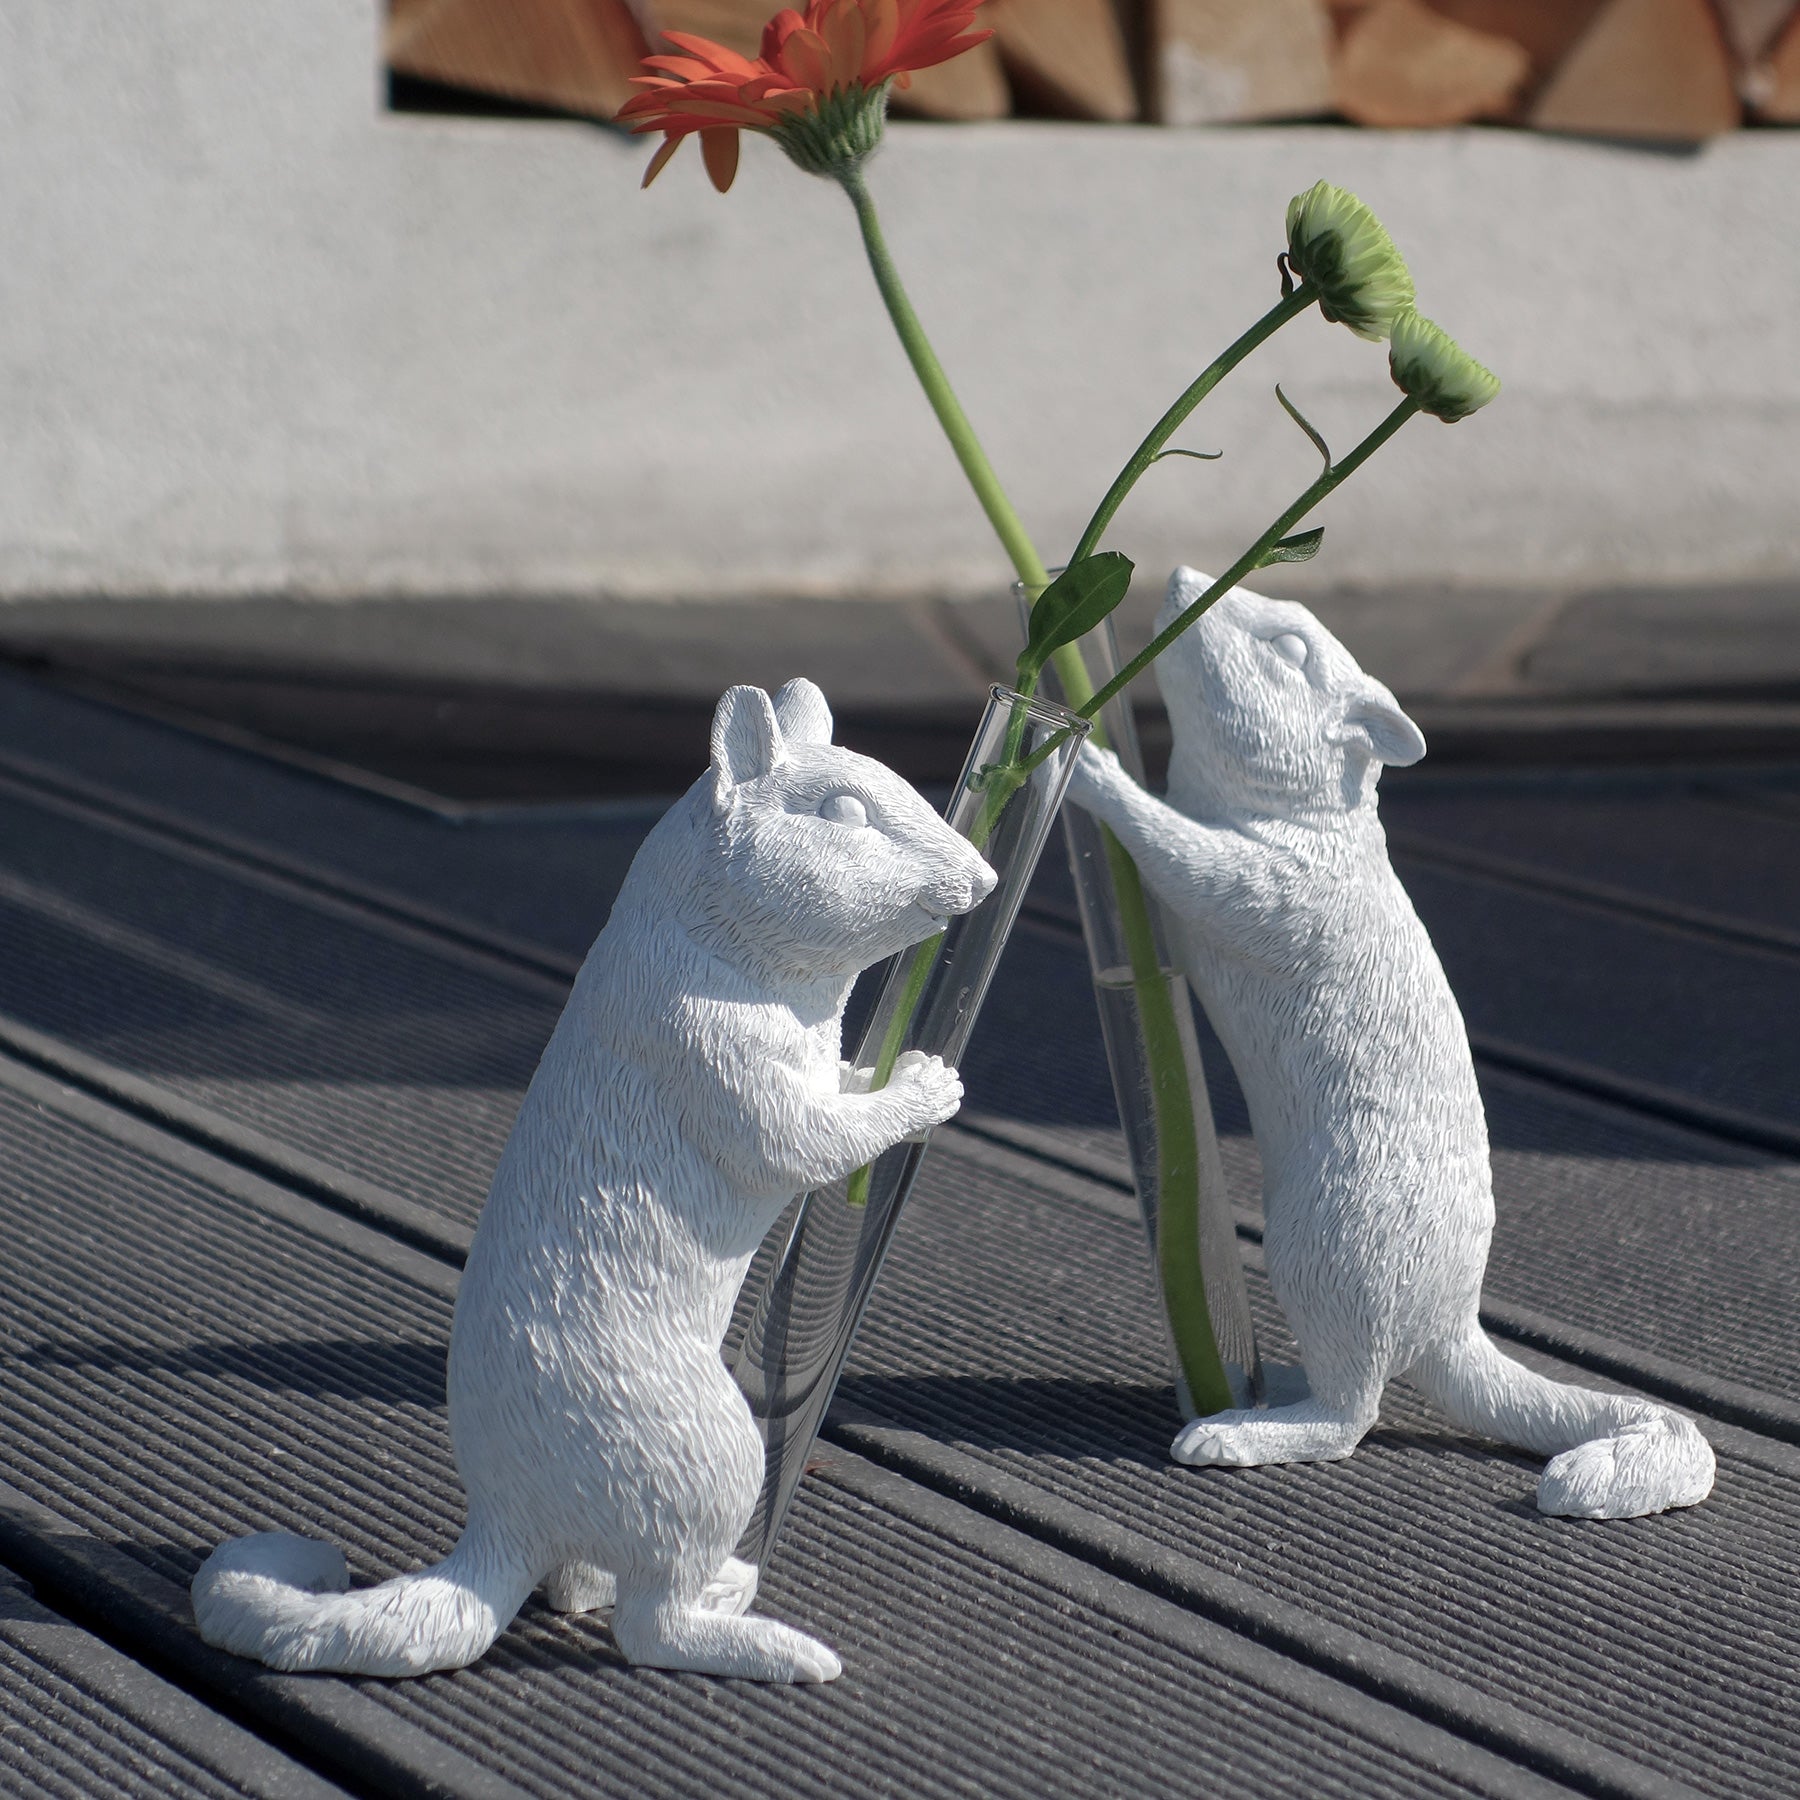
pixel 1612 1456
pixel 286 1602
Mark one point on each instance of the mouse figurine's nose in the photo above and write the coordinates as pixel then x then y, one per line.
pixel 963 889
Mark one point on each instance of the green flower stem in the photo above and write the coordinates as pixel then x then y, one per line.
pixel 1252 559
pixel 1178 1250
pixel 932 379
pixel 1178 1154
pixel 1178 1256
pixel 1165 428
pixel 1071 671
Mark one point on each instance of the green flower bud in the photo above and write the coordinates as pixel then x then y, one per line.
pixel 1338 245
pixel 1428 366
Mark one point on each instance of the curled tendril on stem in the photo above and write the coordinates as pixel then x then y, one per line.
pixel 1300 419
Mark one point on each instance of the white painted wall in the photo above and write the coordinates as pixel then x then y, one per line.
pixel 257 334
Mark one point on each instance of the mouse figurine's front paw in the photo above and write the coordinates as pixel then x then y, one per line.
pixel 852 1080
pixel 1097 779
pixel 930 1088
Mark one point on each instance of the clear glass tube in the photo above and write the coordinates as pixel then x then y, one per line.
pixel 1129 1057
pixel 804 1304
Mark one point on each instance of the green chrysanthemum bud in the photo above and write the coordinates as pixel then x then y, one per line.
pixel 1338 245
pixel 1429 367
pixel 836 134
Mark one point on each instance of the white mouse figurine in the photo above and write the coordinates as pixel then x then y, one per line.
pixel 1354 1061
pixel 690 1090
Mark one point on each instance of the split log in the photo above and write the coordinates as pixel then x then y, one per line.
pixel 1547 30
pixel 1772 84
pixel 1215 61
pixel 1644 69
pixel 577 55
pixel 1402 64
pixel 970 86
pixel 1752 26
pixel 737 24
pixel 1066 57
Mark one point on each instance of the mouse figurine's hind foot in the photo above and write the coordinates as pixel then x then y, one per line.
pixel 732 1589
pixel 656 1632
pixel 1248 1438
pixel 579 1587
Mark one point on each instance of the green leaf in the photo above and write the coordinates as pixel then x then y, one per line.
pixel 1300 419
pixel 1072 605
pixel 1303 546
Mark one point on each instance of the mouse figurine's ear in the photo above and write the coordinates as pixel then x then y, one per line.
pixel 804 715
pixel 1374 724
pixel 746 738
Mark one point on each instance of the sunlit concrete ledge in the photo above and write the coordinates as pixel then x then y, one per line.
pixel 261 335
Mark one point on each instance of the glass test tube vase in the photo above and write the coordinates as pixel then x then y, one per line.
pixel 810 1297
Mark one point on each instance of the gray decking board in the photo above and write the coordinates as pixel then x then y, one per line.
pixel 185 1360
pixel 550 881
pixel 382 1064
pixel 967 1287
pixel 1667 1016
pixel 1674 1241
pixel 1682 845
pixel 544 876
pixel 79 1718
pixel 1018 1329
pixel 1669 1008
pixel 1656 1237
pixel 306 1028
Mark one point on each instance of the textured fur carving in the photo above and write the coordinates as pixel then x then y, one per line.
pixel 1354 1060
pixel 691 1088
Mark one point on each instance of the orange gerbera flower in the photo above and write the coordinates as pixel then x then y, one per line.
pixel 819 87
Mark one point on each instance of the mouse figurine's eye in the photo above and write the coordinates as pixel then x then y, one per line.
pixel 843 809
pixel 1290 646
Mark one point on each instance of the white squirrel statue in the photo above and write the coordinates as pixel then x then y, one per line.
pixel 1333 1007
pixel 691 1089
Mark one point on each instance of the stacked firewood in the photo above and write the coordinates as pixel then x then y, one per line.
pixel 1674 70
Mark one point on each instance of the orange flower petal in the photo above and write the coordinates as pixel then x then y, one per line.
pixel 715 56
pixel 703 113
pixel 660 160
pixel 842 28
pixel 805 57
pixel 719 151
pixel 777 32
pixel 881 26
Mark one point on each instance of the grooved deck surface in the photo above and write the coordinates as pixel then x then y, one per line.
pixel 79 1718
pixel 239 1005
pixel 56 1740
pixel 264 1376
